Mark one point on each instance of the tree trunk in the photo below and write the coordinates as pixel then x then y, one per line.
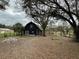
pixel 44 32
pixel 76 33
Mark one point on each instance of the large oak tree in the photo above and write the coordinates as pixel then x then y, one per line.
pixel 39 12
pixel 67 10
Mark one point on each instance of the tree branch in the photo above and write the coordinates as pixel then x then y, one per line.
pixel 67 5
pixel 62 17
pixel 63 9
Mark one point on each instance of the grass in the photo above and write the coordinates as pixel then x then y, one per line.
pixel 7 34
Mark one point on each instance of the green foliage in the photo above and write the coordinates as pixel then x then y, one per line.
pixel 7 34
pixel 5 26
pixel 2 26
pixel 18 28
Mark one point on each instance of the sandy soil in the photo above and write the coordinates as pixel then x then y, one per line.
pixel 39 48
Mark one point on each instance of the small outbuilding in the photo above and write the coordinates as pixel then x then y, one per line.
pixel 32 29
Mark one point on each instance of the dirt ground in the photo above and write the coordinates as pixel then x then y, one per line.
pixel 39 48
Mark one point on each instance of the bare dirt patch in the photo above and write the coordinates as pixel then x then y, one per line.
pixel 40 48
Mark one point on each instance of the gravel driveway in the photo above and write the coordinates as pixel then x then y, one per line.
pixel 39 48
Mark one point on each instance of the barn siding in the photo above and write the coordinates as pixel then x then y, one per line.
pixel 32 29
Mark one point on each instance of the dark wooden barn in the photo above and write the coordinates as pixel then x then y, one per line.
pixel 33 29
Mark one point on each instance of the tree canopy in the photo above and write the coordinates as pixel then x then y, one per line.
pixel 38 11
pixel 67 10
pixel 18 28
pixel 3 3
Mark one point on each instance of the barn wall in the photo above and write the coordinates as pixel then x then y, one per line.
pixel 32 28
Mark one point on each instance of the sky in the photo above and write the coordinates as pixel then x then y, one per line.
pixel 13 14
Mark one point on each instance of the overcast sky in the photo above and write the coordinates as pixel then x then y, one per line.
pixel 13 14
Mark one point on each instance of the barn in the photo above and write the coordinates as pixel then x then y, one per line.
pixel 32 29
